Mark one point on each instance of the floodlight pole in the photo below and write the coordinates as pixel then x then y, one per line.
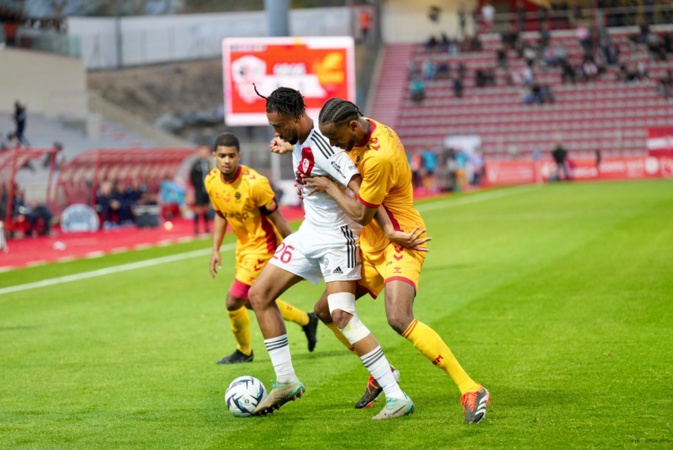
pixel 277 13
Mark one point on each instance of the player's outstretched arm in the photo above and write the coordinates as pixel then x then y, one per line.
pixel 281 224
pixel 280 146
pixel 219 229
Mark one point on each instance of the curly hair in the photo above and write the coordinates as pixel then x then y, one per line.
pixel 337 110
pixel 284 100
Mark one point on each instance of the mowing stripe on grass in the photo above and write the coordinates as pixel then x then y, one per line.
pixel 452 201
pixel 111 270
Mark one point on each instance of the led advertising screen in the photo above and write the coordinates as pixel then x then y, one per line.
pixel 319 67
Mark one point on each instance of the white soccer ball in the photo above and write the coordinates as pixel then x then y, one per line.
pixel 243 395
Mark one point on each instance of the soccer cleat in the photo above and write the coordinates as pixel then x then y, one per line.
pixel 474 404
pixel 237 357
pixel 396 407
pixel 279 395
pixel 373 390
pixel 311 330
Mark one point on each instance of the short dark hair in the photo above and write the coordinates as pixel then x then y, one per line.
pixel 284 100
pixel 227 140
pixel 338 110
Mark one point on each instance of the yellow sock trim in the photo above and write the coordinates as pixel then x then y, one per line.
pixel 428 342
pixel 292 314
pixel 240 326
pixel 332 326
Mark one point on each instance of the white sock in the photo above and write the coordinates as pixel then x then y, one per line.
pixel 279 352
pixel 377 364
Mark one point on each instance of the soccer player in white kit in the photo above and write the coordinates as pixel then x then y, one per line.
pixel 325 246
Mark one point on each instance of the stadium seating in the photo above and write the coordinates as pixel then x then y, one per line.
pixel 607 114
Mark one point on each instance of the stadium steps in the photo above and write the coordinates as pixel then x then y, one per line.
pixel 606 114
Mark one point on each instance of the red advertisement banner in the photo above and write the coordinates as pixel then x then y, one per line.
pixel 526 172
pixel 660 141
pixel 319 67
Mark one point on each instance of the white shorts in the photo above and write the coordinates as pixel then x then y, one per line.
pixel 333 255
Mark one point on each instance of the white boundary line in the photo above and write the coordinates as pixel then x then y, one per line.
pixel 111 270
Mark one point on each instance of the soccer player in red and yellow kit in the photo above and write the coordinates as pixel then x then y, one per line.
pixel 245 200
pixel 379 155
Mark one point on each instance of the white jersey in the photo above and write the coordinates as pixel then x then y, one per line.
pixel 315 157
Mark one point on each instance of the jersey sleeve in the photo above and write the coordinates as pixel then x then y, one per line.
pixel 340 167
pixel 263 196
pixel 375 182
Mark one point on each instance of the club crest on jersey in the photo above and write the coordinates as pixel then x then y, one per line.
pixel 237 196
pixel 305 163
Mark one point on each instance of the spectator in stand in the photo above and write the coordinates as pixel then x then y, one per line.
pixel 529 55
pixel 560 155
pixel 520 15
pixel 612 53
pixel 107 205
pixel 665 85
pixel 583 37
pixel 443 70
pixel 487 17
pixel 461 170
pixel 457 87
pixel 200 168
pixel 462 70
pixel 589 69
pixel 577 15
pixel 568 74
pixel 545 37
pixel 35 214
pixel 642 73
pixel 477 167
pixel 20 123
pixel 501 57
pixel 542 15
pixel 462 19
pixel 172 197
pixel 644 33
pixel 365 24
pixel 124 212
pixel 428 69
pixel 412 69
pixel 417 90
pixel 444 43
pixel 667 12
pixel 429 157
pixel 527 75
pixel 417 169
pixel 648 6
pixel 431 44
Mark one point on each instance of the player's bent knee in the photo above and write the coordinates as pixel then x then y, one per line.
pixel 355 330
pixel 341 318
pixel 399 323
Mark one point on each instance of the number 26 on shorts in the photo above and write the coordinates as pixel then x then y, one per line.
pixel 284 253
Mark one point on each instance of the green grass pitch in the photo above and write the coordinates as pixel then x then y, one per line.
pixel 557 298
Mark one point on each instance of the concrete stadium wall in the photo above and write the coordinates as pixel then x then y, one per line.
pixel 154 39
pixel 405 21
pixel 49 84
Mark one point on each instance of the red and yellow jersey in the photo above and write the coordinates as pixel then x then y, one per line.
pixel 245 202
pixel 386 180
